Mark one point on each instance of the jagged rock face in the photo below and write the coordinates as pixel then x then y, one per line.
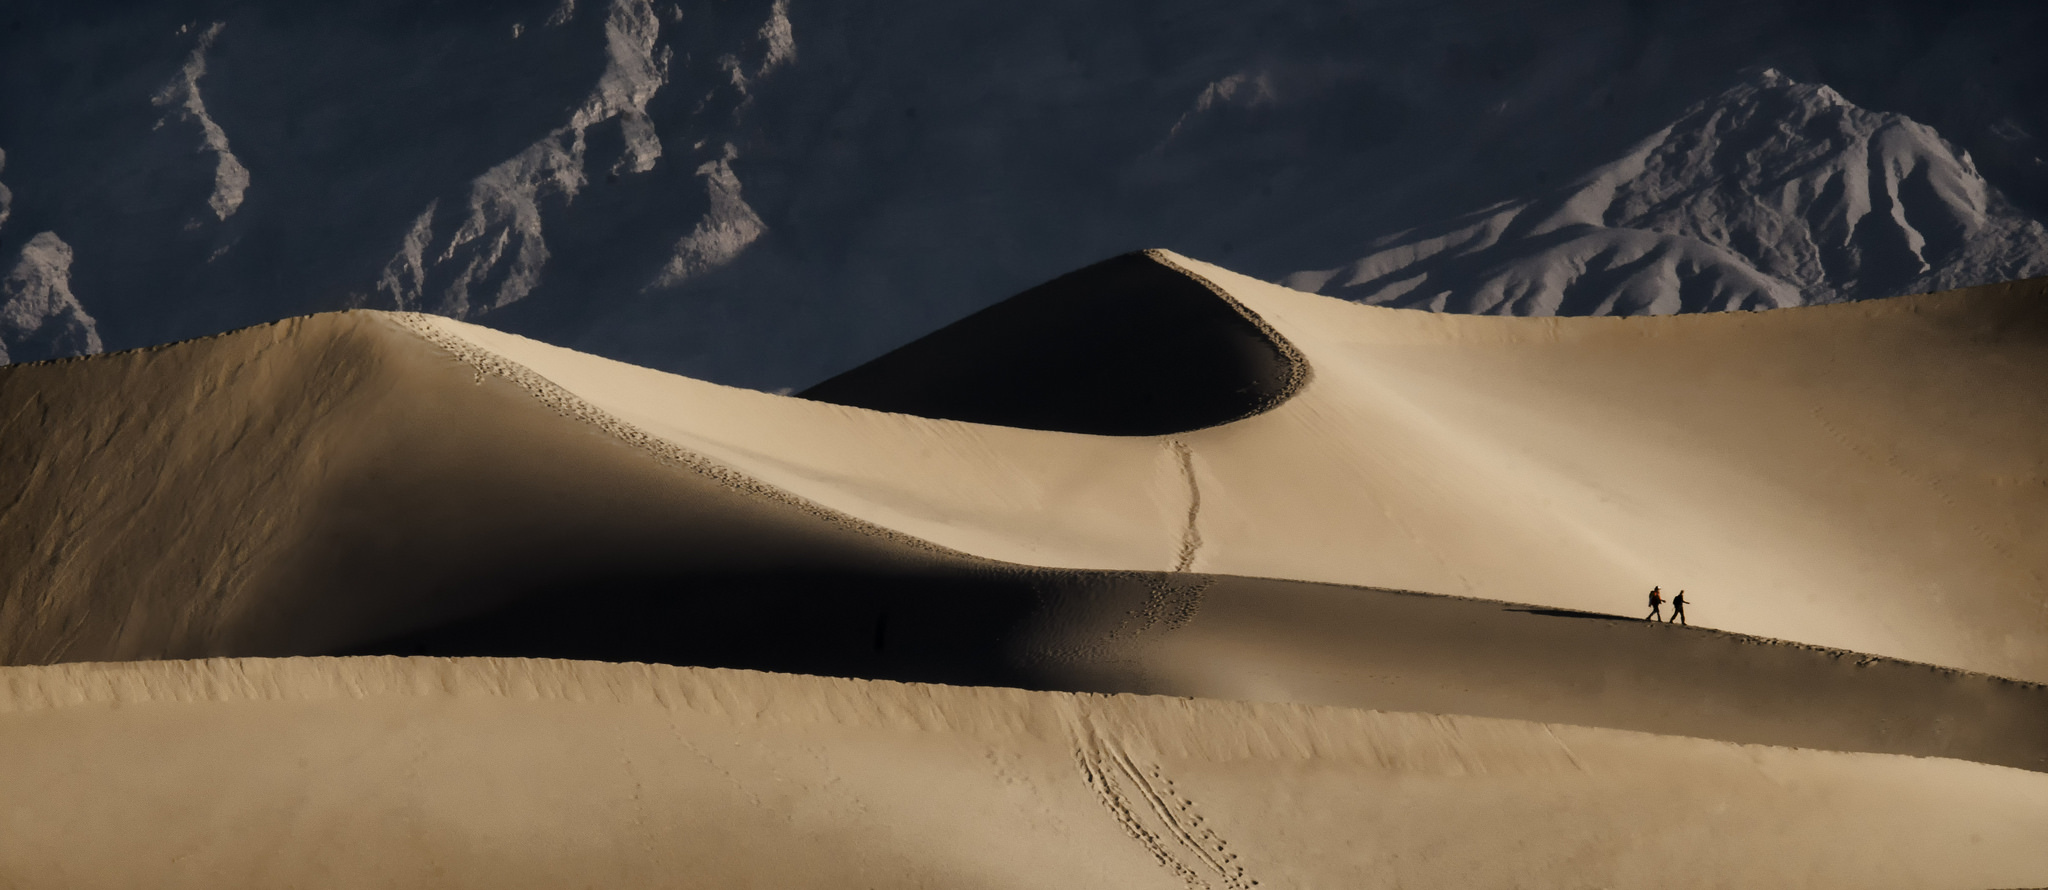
pixel 1772 194
pixel 39 316
pixel 491 252
pixel 769 192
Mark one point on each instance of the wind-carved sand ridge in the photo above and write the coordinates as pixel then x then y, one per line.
pixel 1132 346
pixel 1859 477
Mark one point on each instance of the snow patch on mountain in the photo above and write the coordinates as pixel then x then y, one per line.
pixel 499 244
pixel 39 316
pixel 1774 193
pixel 181 98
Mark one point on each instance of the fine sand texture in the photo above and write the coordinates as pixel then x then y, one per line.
pixel 1868 476
pixel 1394 557
pixel 1865 476
pixel 1274 641
pixel 385 484
pixel 518 773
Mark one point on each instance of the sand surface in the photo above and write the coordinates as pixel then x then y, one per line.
pixel 1867 476
pixel 375 483
pixel 1275 641
pixel 513 773
pixel 1397 557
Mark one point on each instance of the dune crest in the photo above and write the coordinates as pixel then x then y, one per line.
pixel 385 484
pixel 1852 476
pixel 1131 346
pixel 1857 476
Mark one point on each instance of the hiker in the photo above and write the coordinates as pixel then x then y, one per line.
pixel 1678 609
pixel 1656 604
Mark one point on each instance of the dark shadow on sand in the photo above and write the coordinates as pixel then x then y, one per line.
pixel 1571 613
pixel 958 627
pixel 1126 347
pixel 1082 631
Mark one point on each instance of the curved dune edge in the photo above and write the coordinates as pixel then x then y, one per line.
pixel 510 773
pixel 1300 370
pixel 1859 476
pixel 577 408
pixel 1865 477
pixel 1135 345
pixel 1264 640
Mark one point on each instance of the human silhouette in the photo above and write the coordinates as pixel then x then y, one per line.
pixel 1656 604
pixel 1678 609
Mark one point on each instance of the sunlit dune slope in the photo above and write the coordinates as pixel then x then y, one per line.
pixel 1868 476
pixel 512 773
pixel 344 484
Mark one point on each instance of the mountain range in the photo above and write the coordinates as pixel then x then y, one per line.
pixel 1771 194
pixel 770 192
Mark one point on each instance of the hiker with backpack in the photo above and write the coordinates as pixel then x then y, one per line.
pixel 1656 605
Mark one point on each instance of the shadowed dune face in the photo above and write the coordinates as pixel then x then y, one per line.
pixel 1260 640
pixel 325 481
pixel 376 483
pixel 338 485
pixel 1864 476
pixel 966 626
pixel 1130 346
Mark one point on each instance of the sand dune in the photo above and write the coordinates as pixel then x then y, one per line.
pixel 510 773
pixel 1862 476
pixel 1867 477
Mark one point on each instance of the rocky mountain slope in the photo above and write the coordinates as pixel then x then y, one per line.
pixel 1774 193
pixel 768 192
pixel 39 315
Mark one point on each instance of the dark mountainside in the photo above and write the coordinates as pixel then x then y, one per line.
pixel 767 193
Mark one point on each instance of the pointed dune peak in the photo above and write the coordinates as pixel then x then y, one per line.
pixel 403 484
pixel 1131 346
pixel 1773 193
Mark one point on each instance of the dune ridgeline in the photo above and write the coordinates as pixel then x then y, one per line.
pixel 1153 575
